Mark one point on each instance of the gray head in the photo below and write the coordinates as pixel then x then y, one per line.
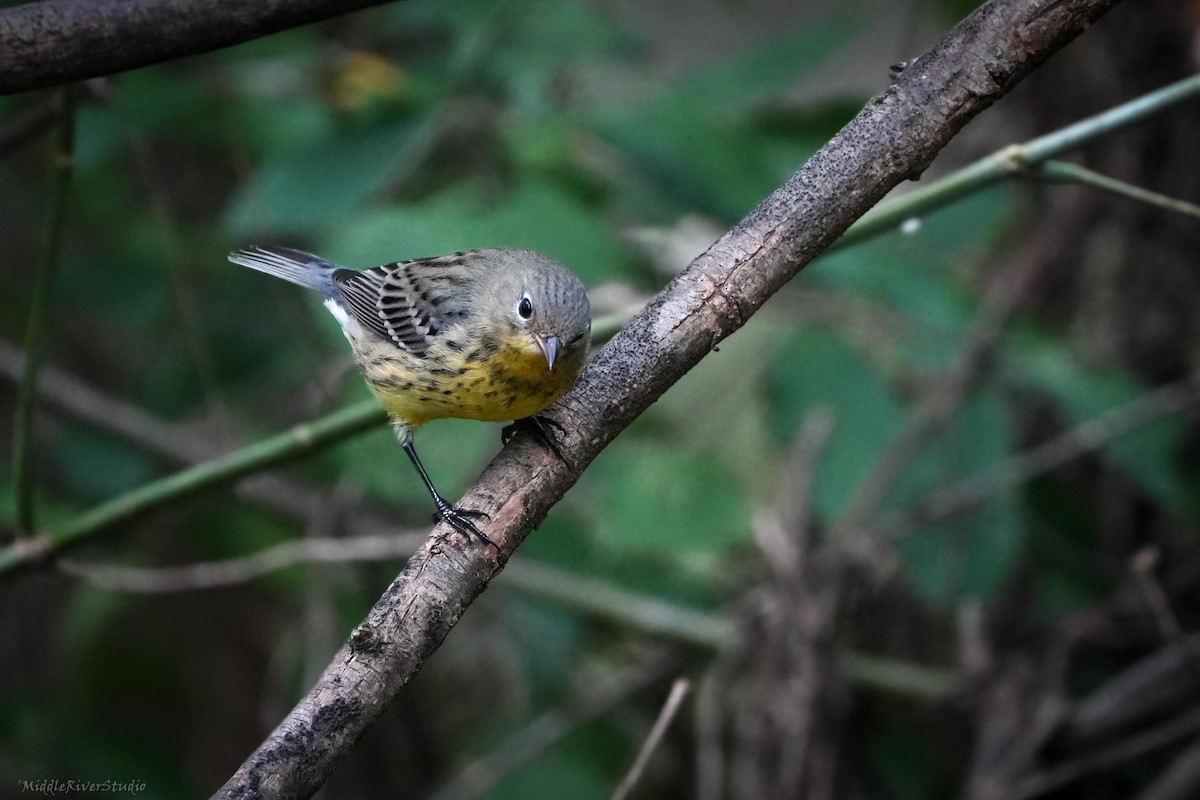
pixel 540 300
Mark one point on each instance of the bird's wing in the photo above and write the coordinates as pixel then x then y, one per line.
pixel 409 302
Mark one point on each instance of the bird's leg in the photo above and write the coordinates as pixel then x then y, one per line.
pixel 538 426
pixel 460 518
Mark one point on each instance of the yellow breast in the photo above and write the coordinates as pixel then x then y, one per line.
pixel 490 381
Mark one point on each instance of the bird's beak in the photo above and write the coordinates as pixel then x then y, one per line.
pixel 549 349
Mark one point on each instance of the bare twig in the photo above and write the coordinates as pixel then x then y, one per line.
pixel 646 614
pixel 188 444
pixel 1066 172
pixel 1015 715
pixel 793 689
pixel 215 574
pixel 1179 781
pixel 1142 566
pixel 26 127
pixel 1150 688
pixel 1087 437
pixel 547 730
pixel 710 723
pixel 262 455
pixel 782 535
pixel 1108 757
pixel 77 398
pixel 679 690
pixel 939 403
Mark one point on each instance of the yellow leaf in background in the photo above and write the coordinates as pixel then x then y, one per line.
pixel 363 77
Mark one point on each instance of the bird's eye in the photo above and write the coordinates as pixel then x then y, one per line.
pixel 525 307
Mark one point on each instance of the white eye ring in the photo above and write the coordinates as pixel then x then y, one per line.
pixel 525 307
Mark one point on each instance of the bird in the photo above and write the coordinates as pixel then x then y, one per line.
pixel 495 334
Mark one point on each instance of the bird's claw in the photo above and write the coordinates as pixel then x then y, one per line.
pixel 539 427
pixel 460 520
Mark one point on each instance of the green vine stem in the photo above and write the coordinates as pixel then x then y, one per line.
pixel 1014 160
pixel 61 165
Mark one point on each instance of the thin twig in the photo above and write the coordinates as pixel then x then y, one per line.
pixel 782 533
pixel 1179 781
pixel 648 614
pixel 710 715
pixel 187 444
pixel 287 446
pixel 644 613
pixel 186 321
pixel 1014 160
pixel 61 166
pixel 547 730
pixel 937 406
pixel 1108 757
pixel 1087 437
pixel 65 392
pixel 234 571
pixel 1065 172
pixel 27 127
pixel 679 690
pixel 1142 566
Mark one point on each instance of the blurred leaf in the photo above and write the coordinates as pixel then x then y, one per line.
pixel 535 215
pixel 695 138
pixel 921 274
pixel 972 555
pixel 814 368
pixel 718 409
pixel 541 41
pixel 272 126
pixel 707 165
pixel 99 466
pixel 302 192
pixel 764 70
pixel 659 500
pixel 575 768
pixel 551 638
pixel 453 451
pixel 98 138
pixel 904 766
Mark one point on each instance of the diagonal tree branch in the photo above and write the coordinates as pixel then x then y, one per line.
pixel 57 41
pixel 894 138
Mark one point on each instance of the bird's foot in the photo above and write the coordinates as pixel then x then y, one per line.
pixel 539 427
pixel 460 520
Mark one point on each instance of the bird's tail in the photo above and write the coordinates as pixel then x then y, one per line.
pixel 296 266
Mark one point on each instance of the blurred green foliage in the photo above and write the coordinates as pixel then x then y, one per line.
pixel 423 128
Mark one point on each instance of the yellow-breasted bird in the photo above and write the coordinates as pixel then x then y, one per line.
pixel 493 335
